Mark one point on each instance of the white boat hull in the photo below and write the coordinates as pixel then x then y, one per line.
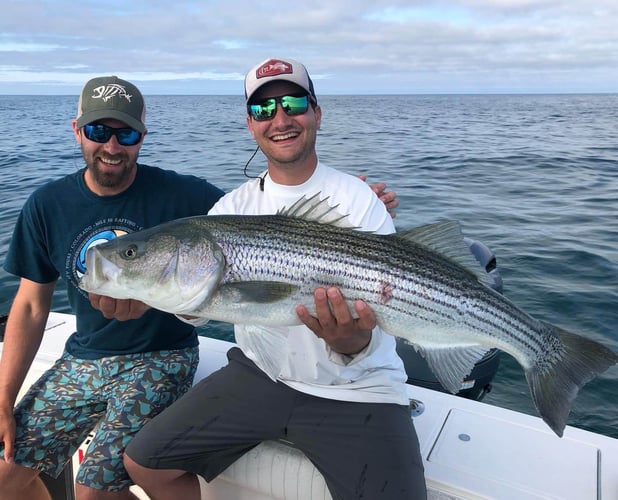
pixel 471 450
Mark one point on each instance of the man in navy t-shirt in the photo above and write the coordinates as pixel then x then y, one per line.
pixel 114 375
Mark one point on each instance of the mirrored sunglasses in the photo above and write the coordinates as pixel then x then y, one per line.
pixel 266 109
pixel 125 136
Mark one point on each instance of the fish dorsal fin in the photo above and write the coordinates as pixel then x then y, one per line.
pixel 318 210
pixel 447 239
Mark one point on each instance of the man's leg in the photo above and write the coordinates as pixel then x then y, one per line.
pixel 363 450
pixel 204 432
pixel 21 482
pixel 51 421
pixel 85 493
pixel 167 483
pixel 138 387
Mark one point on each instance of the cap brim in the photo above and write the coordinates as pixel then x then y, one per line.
pixel 94 116
pixel 278 79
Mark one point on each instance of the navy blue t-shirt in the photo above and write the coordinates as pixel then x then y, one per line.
pixel 63 218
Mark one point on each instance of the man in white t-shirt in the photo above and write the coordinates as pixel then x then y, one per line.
pixel 335 386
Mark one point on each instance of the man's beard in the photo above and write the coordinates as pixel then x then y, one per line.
pixel 113 179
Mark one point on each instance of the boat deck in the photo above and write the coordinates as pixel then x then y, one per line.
pixel 471 450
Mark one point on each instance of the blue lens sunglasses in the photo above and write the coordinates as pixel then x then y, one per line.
pixel 125 136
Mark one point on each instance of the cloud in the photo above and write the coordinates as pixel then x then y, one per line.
pixel 349 46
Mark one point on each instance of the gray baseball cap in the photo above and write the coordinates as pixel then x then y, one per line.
pixel 111 97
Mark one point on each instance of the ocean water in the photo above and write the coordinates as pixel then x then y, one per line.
pixel 534 177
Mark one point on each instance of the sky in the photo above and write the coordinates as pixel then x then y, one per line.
pixel 348 46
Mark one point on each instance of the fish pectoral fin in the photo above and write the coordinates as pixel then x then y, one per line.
pixel 261 292
pixel 451 365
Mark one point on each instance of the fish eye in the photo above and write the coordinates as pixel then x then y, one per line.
pixel 130 252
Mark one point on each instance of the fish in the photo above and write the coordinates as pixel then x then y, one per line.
pixel 423 284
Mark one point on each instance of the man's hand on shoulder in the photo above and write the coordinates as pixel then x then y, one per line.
pixel 389 198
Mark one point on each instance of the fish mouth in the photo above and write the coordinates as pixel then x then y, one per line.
pixel 99 272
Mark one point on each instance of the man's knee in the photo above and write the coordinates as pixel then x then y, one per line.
pixel 131 466
pixel 151 479
pixel 13 473
pixel 20 482
pixel 138 473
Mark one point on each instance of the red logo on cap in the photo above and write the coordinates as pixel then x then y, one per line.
pixel 273 67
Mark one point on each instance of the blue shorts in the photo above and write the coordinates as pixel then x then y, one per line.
pixel 119 393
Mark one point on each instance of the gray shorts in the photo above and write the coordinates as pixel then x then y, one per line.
pixel 363 450
pixel 119 393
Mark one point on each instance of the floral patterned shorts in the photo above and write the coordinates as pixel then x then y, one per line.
pixel 115 395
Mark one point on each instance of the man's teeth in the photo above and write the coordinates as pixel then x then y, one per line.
pixel 284 136
pixel 110 162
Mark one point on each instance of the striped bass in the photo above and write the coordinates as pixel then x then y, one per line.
pixel 423 284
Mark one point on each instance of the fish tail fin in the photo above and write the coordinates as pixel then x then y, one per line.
pixel 555 384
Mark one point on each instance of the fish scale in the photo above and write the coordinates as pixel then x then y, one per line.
pixel 422 284
pixel 342 264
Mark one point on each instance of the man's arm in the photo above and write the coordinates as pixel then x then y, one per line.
pixel 22 338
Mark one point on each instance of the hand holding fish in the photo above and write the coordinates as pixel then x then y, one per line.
pixel 336 325
pixel 120 309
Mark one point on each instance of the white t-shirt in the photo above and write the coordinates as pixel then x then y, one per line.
pixel 294 355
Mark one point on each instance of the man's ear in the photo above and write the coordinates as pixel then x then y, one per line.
pixel 77 132
pixel 250 127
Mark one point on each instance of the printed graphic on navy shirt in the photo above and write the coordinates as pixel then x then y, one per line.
pixel 101 231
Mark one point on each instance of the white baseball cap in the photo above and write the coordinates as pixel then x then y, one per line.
pixel 272 70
